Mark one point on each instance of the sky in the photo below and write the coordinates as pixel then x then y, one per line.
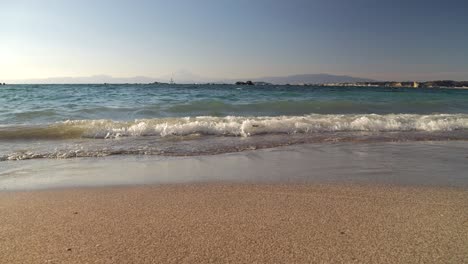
pixel 383 40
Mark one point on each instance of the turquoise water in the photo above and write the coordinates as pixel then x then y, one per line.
pixel 50 121
pixel 41 104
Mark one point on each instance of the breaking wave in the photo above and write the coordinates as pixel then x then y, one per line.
pixel 237 126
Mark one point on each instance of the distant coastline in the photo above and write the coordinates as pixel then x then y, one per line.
pixel 408 84
pixel 393 84
pixel 440 84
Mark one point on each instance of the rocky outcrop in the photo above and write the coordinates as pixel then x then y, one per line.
pixel 245 83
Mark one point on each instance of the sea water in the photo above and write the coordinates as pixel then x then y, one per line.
pixel 94 120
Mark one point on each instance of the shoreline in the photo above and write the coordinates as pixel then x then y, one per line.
pixel 210 223
pixel 404 163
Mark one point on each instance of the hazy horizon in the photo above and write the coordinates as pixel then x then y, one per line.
pixel 185 77
pixel 215 40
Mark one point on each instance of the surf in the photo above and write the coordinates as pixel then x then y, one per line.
pixel 236 126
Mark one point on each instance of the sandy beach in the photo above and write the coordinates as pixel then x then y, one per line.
pixel 237 223
pixel 233 132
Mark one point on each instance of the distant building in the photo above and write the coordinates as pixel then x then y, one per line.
pixel 395 84
pixel 415 85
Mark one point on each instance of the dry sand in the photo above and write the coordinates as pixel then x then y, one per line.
pixel 235 223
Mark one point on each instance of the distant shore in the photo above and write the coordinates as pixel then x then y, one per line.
pixel 409 84
pixel 235 223
pixel 298 80
pixel 420 85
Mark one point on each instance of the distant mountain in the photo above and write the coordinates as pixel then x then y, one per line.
pixel 88 79
pixel 311 78
pixel 187 77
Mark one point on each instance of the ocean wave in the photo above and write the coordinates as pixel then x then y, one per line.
pixel 238 126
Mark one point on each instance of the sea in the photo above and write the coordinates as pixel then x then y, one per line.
pixel 67 121
pixel 92 121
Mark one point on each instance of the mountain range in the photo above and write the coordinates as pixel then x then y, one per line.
pixel 311 78
pixel 187 77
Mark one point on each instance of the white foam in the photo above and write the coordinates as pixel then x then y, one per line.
pixel 249 126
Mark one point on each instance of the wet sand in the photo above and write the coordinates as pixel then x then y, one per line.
pixel 238 223
pixel 438 164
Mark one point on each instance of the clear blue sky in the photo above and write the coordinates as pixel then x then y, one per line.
pixel 234 38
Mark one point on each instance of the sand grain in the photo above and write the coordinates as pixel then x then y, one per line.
pixel 235 223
